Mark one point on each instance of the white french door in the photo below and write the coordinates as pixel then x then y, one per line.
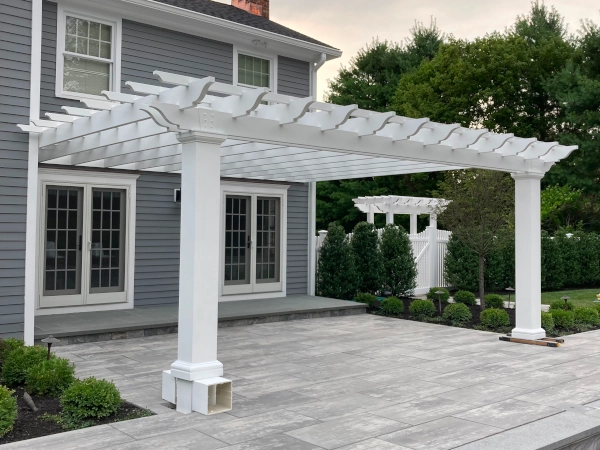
pixel 252 243
pixel 83 244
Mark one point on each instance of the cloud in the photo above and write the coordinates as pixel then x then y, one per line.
pixel 350 24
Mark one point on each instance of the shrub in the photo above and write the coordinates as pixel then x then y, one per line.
pixel 336 273
pixel 431 295
pixel 50 378
pixel 457 314
pixel 465 297
pixel 586 316
pixel 89 399
pixel 392 306
pixel 7 346
pixel 367 258
pixel 494 301
pixel 553 266
pixel 400 268
pixel 597 307
pixel 560 305
pixel 369 299
pixel 420 309
pixel 19 362
pixel 547 322
pixel 565 320
pixel 493 318
pixel 8 410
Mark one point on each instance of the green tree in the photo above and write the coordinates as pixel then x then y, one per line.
pixel 336 272
pixel 398 261
pixel 367 258
pixel 480 213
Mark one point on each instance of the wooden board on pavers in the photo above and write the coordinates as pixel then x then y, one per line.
pixel 541 342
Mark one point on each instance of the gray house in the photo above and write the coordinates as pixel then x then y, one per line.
pixel 101 234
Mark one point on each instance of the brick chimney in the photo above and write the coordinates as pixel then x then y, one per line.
pixel 256 7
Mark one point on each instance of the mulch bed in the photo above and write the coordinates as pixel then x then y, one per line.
pixel 29 425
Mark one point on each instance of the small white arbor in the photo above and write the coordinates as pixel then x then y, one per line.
pixel 183 129
pixel 390 205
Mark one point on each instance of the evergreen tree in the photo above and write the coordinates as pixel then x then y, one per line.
pixel 367 258
pixel 399 264
pixel 336 272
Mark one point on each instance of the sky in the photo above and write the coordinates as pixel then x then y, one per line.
pixel 350 24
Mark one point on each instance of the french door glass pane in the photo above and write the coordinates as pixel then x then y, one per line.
pixel 237 240
pixel 267 239
pixel 107 257
pixel 62 271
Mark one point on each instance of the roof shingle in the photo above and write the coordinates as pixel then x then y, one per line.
pixel 233 14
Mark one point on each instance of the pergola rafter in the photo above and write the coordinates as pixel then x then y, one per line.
pixel 206 130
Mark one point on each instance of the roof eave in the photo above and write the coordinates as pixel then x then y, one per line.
pixel 331 52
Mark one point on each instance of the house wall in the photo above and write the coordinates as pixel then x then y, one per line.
pixel 293 77
pixel 157 240
pixel 15 68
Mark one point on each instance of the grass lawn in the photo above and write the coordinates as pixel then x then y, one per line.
pixel 580 297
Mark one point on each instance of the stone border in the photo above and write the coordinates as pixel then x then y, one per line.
pixel 223 323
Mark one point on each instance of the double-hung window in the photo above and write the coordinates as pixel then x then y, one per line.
pixel 254 71
pixel 87 56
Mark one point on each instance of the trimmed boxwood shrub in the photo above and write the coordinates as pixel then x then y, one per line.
pixel 8 410
pixel 19 362
pixel 494 301
pixel 367 258
pixel 565 320
pixel 50 378
pixel 392 306
pixel 586 316
pixel 493 318
pixel 89 399
pixel 369 299
pixel 421 309
pixel 400 268
pixel 457 314
pixel 465 297
pixel 547 322
pixel 336 272
pixel 431 295
pixel 560 305
pixel 7 346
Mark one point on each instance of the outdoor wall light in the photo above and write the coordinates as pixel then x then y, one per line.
pixel 510 290
pixel 50 340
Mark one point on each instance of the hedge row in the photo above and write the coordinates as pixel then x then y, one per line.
pixel 568 261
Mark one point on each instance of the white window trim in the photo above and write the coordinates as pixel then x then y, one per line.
pixel 67 9
pixel 126 181
pixel 240 188
pixel 256 53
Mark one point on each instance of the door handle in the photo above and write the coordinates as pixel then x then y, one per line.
pixel 249 242
pixel 80 242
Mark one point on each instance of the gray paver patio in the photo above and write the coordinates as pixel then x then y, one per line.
pixel 353 383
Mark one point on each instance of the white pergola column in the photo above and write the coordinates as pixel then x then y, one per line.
pixel 389 218
pixel 528 271
pixel 371 214
pixel 413 224
pixel 198 272
pixel 432 257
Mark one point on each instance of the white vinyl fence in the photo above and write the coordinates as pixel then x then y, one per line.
pixel 429 250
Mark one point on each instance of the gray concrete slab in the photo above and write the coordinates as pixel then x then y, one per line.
pixel 354 383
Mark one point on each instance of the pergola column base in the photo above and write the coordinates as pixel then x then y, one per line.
pixel 528 333
pixel 212 395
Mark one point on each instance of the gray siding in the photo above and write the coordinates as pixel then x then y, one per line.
pixel 15 68
pixel 293 77
pixel 48 101
pixel 147 48
pixel 157 240
pixel 297 240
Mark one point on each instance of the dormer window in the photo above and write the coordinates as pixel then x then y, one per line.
pixel 87 56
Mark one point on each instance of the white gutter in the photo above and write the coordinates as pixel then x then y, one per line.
pixel 257 32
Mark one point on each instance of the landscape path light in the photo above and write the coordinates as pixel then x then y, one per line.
pixel 439 294
pixel 50 340
pixel 566 298
pixel 510 290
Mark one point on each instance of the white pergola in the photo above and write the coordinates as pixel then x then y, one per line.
pixel 206 130
pixel 390 205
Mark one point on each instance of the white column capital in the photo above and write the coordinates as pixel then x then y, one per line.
pixel 202 137
pixel 527 176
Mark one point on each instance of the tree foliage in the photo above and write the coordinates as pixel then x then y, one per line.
pixel 399 263
pixel 336 272
pixel 367 258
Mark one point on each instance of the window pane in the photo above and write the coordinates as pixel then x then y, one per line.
pixel 106 33
pixel 94 49
pixel 95 31
pixel 83 28
pixel 253 71
pixel 86 76
pixel 71 43
pixel 105 50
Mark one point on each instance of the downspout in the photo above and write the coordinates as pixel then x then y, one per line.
pixel 312 198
